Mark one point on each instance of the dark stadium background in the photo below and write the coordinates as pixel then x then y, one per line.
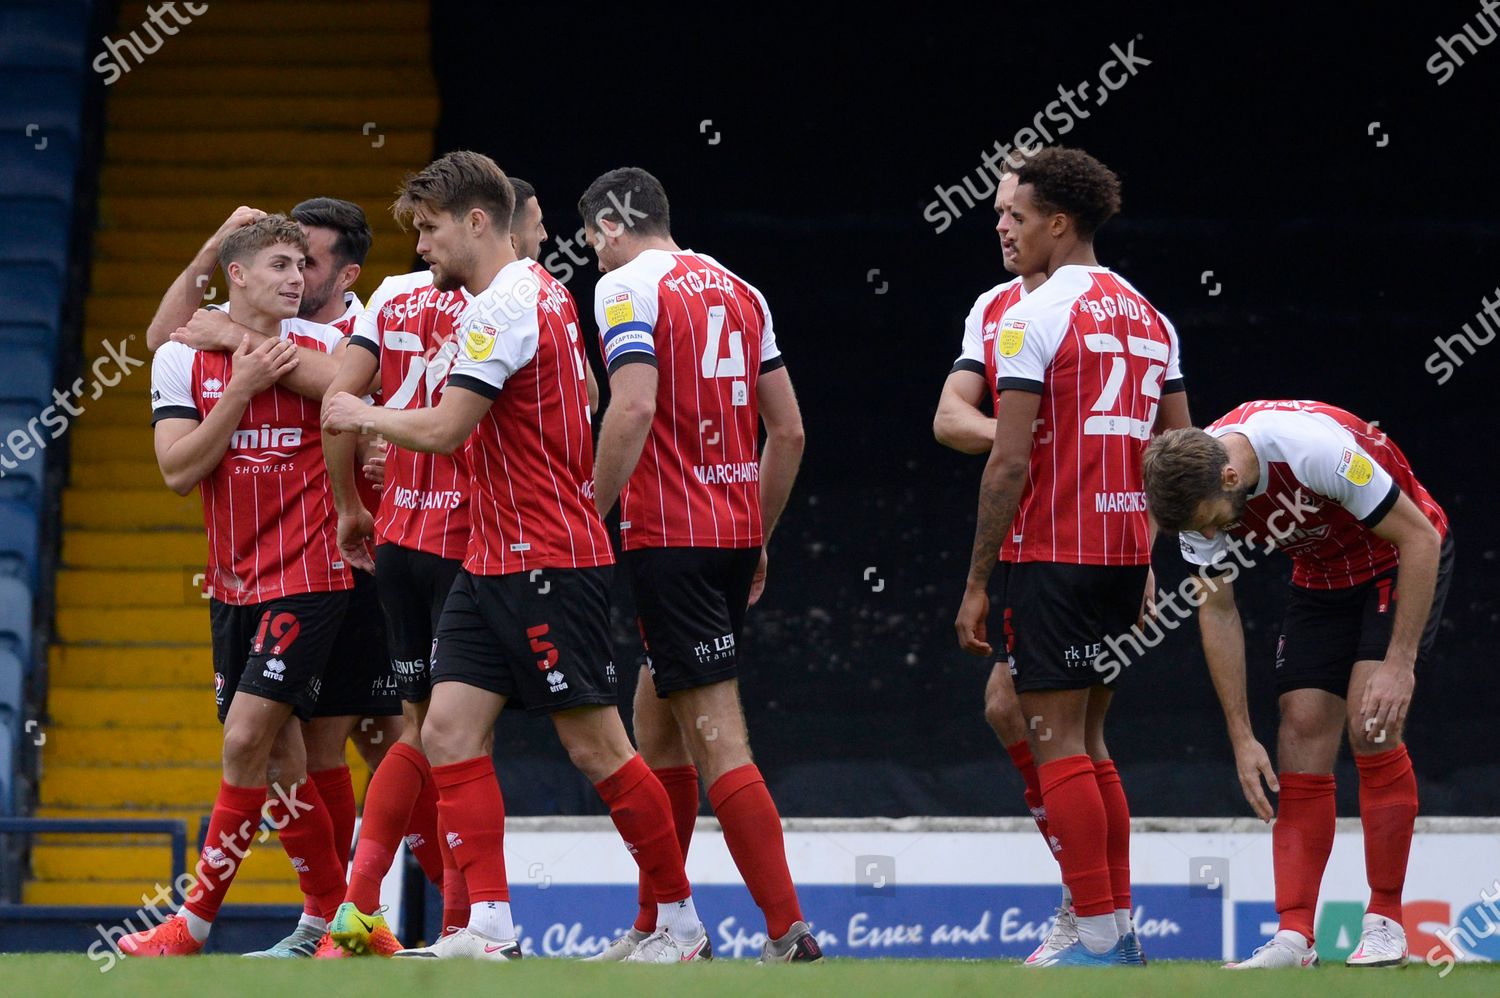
pixel 1245 148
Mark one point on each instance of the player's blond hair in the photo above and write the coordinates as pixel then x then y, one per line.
pixel 1182 469
pixel 455 183
pixel 241 245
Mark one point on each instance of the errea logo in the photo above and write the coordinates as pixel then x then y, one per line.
pixel 557 681
pixel 213 388
pixel 275 668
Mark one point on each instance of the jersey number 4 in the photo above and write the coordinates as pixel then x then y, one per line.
pixel 1111 423
pixel 715 366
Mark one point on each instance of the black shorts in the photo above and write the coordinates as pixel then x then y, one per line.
pixel 1325 631
pixel 690 604
pixel 413 586
pixel 544 644
pixel 1060 620
pixel 358 681
pixel 278 649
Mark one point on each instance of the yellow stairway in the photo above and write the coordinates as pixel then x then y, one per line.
pixel 260 103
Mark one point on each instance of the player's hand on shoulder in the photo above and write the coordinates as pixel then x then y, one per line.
pixel 973 613
pixel 209 329
pixel 259 369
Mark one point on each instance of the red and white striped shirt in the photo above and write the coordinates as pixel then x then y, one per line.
pixel 1101 357
pixel 531 458
pixel 408 326
pixel 352 311
pixel 709 334
pixel 267 506
pixel 1326 477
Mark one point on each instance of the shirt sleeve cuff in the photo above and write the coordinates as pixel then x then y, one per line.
pixel 470 383
pixel 1386 505
pixel 968 364
pixel 175 412
pixel 1019 385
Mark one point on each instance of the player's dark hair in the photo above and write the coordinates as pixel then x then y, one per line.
pixel 524 192
pixel 629 196
pixel 456 183
pixel 1182 469
pixel 346 218
pixel 244 243
pixel 1074 183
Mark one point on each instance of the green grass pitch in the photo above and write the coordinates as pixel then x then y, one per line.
pixel 221 976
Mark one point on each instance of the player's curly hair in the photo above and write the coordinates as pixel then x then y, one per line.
pixel 1182 469
pixel 455 183
pixel 1074 183
pixel 241 245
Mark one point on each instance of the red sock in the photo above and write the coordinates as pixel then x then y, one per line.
pixel 1301 839
pixel 337 790
pixel 388 805
pixel 1117 818
pixel 1077 819
pixel 422 830
pixel 1020 754
pixel 1388 812
pixel 472 813
pixel 752 831
pixel 455 891
pixel 681 785
pixel 236 816
pixel 306 833
pixel 642 812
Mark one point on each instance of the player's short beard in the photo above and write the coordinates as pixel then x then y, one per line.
pixel 452 278
pixel 313 300
pixel 1237 500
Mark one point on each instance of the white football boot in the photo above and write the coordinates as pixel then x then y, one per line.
pixel 1382 943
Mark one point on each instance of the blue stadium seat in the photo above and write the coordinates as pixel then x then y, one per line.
pixel 51 99
pixel 8 737
pixel 45 35
pixel 15 618
pixel 27 380
pixel 35 229
pixel 18 541
pixel 12 689
pixel 23 482
pixel 31 293
pixel 36 335
pixel 27 171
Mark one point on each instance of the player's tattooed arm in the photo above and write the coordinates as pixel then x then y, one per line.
pixel 627 423
pixel 1387 695
pixel 959 423
pixel 186 293
pixel 1224 650
pixel 439 429
pixel 999 495
pixel 188 451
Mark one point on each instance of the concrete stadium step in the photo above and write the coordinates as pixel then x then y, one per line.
pixel 120 474
pixel 205 214
pixel 324 19
pixel 408 148
pixel 150 746
pixel 145 865
pixel 281 188
pixel 151 112
pixel 127 893
pixel 115 409
pixel 130 666
pixel 178 79
pixel 108 442
pixel 186 549
pixel 258 43
pixel 185 786
pixel 131 710
pixel 142 509
pixel 134 626
pixel 115 588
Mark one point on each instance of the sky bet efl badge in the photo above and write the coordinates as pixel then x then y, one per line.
pixel 617 309
pixel 1356 468
pixel 479 341
pixel 1012 335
